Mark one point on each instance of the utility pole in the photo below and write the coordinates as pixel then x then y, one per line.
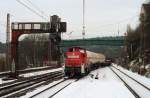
pixel 118 30
pixel 83 31
pixel 8 50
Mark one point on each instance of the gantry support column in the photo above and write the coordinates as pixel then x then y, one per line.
pixel 14 54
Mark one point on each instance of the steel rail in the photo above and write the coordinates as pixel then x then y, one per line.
pixel 23 80
pixel 62 88
pixel 130 89
pixel 6 73
pixel 23 91
pixel 46 89
pixel 52 87
pixel 7 89
pixel 59 90
pixel 133 79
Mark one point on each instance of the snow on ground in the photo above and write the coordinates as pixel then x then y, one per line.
pixel 31 74
pixel 6 81
pixel 143 93
pixel 106 86
pixel 55 89
pixel 1 81
pixel 141 79
pixel 4 72
pixel 40 72
pixel 39 89
pixel 48 92
pixel 36 68
pixel 2 76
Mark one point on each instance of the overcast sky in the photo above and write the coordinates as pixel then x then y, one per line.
pixel 103 17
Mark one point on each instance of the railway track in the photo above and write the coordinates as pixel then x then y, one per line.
pixel 138 89
pixel 20 87
pixel 3 74
pixel 53 89
pixel 133 79
pixel 8 73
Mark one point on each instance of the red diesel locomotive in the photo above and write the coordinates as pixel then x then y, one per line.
pixel 79 61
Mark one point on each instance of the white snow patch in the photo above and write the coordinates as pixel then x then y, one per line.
pixel 95 89
pixel 50 91
pixel 6 81
pixel 55 89
pixel 106 86
pixel 39 89
pixel 1 81
pixel 101 83
pixel 36 68
pixel 141 79
pixel 40 72
pixel 4 72
pixel 142 92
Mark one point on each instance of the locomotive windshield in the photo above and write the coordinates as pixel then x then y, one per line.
pixel 75 49
pixel 73 56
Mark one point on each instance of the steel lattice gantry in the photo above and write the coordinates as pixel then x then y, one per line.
pixel 18 28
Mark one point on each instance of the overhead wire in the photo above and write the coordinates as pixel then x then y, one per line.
pixel 119 22
pixel 36 7
pixel 42 12
pixel 119 28
pixel 29 8
pixel 32 10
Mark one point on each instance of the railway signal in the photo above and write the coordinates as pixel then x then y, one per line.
pixel 55 26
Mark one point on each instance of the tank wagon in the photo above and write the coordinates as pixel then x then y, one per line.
pixel 79 61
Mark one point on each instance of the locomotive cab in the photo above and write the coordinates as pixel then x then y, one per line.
pixel 79 61
pixel 75 61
